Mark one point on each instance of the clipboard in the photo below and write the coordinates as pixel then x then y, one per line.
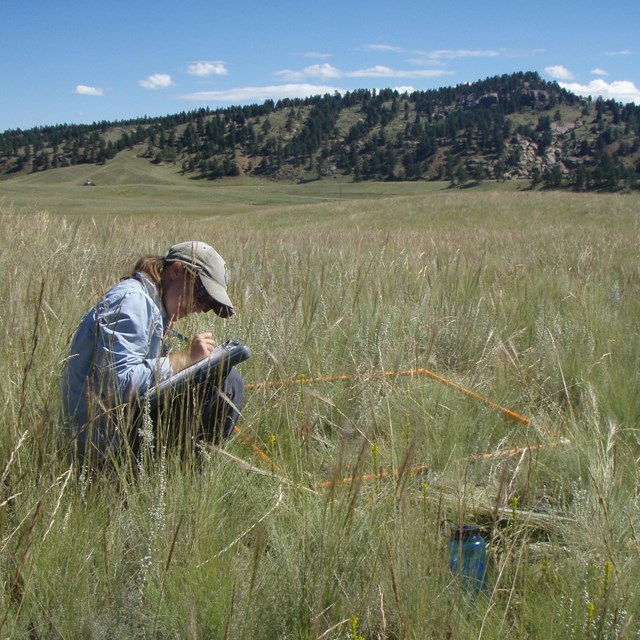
pixel 213 369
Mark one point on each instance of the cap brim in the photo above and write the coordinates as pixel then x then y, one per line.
pixel 224 306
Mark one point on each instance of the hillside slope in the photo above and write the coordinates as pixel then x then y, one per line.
pixel 512 126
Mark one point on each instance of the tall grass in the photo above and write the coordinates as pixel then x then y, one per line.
pixel 528 300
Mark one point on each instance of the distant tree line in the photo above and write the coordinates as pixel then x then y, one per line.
pixel 502 127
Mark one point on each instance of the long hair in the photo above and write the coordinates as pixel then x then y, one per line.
pixel 152 266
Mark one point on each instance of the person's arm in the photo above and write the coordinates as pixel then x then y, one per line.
pixel 129 347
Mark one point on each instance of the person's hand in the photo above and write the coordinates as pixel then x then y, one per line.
pixel 201 346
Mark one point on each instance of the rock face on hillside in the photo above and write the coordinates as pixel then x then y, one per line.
pixel 531 161
pixel 485 101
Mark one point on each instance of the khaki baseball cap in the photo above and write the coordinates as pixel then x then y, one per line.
pixel 211 268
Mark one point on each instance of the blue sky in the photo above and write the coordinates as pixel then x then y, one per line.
pixel 64 61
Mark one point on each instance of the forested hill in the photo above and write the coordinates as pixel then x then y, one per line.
pixel 506 127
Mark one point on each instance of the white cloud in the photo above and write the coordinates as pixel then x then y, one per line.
pixel 290 74
pixel 323 71
pixel 404 89
pixel 84 90
pixel 624 52
pixel 440 57
pixel 260 94
pixel 207 68
pixel 599 72
pixel 380 71
pixel 421 62
pixel 431 57
pixel 157 81
pixel 328 72
pixel 559 72
pixel 377 71
pixel 619 90
pixel 316 54
pixel 452 54
pixel 387 48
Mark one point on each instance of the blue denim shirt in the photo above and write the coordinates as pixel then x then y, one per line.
pixel 117 353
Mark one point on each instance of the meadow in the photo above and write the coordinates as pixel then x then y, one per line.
pixel 328 515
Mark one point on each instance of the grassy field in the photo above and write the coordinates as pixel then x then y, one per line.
pixel 528 300
pixel 132 185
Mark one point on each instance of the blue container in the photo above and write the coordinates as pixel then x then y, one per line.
pixel 468 557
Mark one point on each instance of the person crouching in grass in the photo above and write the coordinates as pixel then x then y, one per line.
pixel 119 352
